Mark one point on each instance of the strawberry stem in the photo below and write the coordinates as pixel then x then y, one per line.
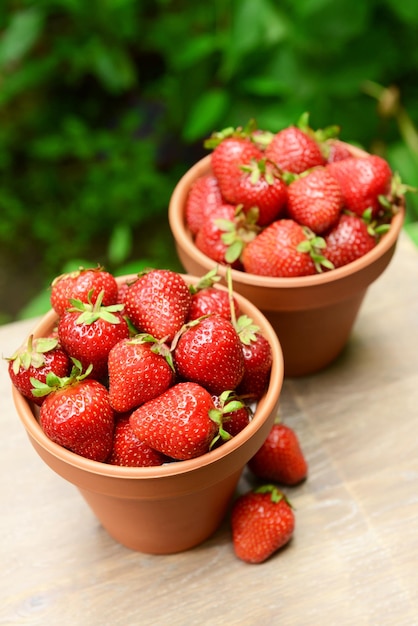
pixel 276 494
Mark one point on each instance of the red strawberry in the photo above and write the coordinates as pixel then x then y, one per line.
pixel 223 235
pixel 280 459
pixel 76 414
pixel 282 249
pixel 208 351
pixel 204 196
pixel 262 522
pixel 177 422
pixel 89 331
pixel 348 240
pixel 229 154
pixel 258 360
pixel 122 289
pixel 139 370
pixel 233 414
pixel 210 238
pixel 211 300
pixel 158 303
pixel 35 359
pixel 294 150
pixel 362 181
pixel 260 185
pixel 336 150
pixel 207 299
pixel 129 451
pixel 315 200
pixel 83 284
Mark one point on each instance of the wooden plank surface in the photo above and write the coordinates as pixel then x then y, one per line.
pixel 354 556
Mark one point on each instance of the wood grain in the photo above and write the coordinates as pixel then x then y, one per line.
pixel 353 559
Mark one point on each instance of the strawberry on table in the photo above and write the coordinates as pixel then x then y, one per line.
pixel 315 200
pixel 140 368
pixel 280 459
pixel 85 285
pixel 76 413
pixel 88 331
pixel 177 422
pixel 208 351
pixel 129 451
pixel 35 359
pixel 262 522
pixel 158 303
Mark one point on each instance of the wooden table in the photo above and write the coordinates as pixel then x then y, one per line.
pixel 354 556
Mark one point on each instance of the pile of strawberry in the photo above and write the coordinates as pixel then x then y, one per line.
pixel 291 203
pixel 144 372
pixel 153 370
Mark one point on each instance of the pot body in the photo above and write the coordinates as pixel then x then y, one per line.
pixel 312 315
pixel 169 508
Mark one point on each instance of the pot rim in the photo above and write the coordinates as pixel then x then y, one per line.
pixel 265 406
pixel 184 240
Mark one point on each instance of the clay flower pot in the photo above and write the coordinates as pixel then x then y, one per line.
pixel 312 315
pixel 173 507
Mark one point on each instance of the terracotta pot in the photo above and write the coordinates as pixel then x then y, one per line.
pixel 312 315
pixel 173 507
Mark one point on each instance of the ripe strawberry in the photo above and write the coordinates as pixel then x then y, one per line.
pixel 336 150
pixel 280 459
pixel 258 360
pixel 129 451
pixel 140 369
pixel 208 351
pixel 315 200
pixel 283 249
pixel 363 180
pixel 76 413
pixel 230 152
pixel 210 238
pixel 204 196
pixel 224 234
pixel 35 359
pixel 262 522
pixel 83 284
pixel 158 303
pixel 348 240
pixel 260 185
pixel 211 300
pixel 233 414
pixel 88 331
pixel 177 422
pixel 207 299
pixel 293 150
pixel 122 289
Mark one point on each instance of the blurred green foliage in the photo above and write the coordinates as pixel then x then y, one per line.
pixel 105 104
